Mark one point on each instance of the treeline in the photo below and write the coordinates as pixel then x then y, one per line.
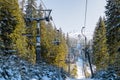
pixel 106 39
pixel 15 29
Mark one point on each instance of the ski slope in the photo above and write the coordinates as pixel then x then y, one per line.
pixel 80 71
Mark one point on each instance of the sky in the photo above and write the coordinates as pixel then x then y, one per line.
pixel 70 14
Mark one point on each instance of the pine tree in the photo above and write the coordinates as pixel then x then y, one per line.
pixel 19 41
pixel 7 24
pixel 14 32
pixel 61 50
pixel 99 46
pixel 74 72
pixel 43 33
pixel 31 8
pixel 113 30
pixel 22 5
pixel 13 27
pixel 55 53
pixel 50 47
pixel 31 30
pixel 68 40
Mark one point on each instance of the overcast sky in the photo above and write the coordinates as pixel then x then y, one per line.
pixel 69 14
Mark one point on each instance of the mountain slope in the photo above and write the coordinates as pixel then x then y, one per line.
pixel 14 68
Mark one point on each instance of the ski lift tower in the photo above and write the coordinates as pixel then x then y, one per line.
pixel 46 16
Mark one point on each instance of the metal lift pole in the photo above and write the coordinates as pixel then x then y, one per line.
pixel 38 41
pixel 92 75
pixel 38 37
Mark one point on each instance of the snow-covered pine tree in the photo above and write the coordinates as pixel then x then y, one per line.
pixel 7 24
pixel 113 29
pixel 13 26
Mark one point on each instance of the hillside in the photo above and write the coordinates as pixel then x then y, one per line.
pixel 14 68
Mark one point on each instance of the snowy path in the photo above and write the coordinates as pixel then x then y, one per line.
pixel 78 79
pixel 80 71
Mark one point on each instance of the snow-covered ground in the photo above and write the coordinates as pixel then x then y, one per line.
pixel 80 70
pixel 14 68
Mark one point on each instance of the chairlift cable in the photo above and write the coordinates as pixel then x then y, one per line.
pixel 85 13
pixel 54 23
pixel 51 16
pixel 46 8
pixel 85 17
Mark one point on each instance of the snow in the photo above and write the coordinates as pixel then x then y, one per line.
pixel 33 79
pixel 69 78
pixel 45 78
pixel 13 68
pixel 80 71
pixel 2 78
pixel 79 79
